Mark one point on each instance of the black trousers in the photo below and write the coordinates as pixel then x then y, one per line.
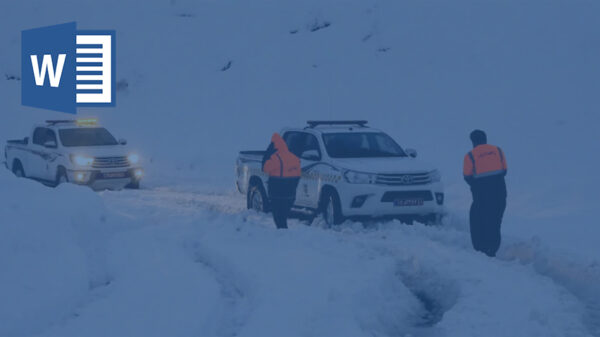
pixel 487 210
pixel 282 195
pixel 281 211
pixel 486 220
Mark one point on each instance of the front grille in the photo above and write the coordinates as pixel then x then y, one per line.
pixel 406 195
pixel 403 179
pixel 110 162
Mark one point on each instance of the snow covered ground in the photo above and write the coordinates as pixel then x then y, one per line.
pixel 182 257
pixel 174 262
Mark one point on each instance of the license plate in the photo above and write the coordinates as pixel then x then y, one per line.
pixel 408 202
pixel 110 175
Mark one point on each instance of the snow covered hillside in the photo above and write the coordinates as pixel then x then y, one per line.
pixel 201 80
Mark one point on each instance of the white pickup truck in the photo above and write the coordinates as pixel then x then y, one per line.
pixel 350 170
pixel 76 151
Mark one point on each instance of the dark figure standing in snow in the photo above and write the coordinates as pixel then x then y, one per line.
pixel 283 168
pixel 484 170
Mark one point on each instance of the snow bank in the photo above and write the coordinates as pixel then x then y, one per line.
pixel 252 280
pixel 310 282
pixel 478 296
pixel 182 264
pixel 45 257
pixel 155 289
pixel 578 276
pixel 224 275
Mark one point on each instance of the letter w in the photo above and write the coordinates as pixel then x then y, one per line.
pixel 40 74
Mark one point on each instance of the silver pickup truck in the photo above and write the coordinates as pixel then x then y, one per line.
pixel 76 151
pixel 350 170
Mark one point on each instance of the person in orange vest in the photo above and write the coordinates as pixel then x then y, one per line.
pixel 283 169
pixel 484 170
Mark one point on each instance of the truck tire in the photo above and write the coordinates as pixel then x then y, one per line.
pixel 434 220
pixel 18 170
pixel 331 208
pixel 134 185
pixel 61 177
pixel 257 198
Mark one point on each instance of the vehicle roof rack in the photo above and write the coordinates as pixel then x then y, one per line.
pixel 59 121
pixel 361 123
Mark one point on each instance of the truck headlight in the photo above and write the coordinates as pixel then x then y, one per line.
pixel 81 176
pixel 354 177
pixel 435 176
pixel 82 160
pixel 133 158
pixel 138 174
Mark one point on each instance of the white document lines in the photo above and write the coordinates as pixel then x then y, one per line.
pixel 94 69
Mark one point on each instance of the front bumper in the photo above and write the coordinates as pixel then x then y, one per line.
pixel 382 200
pixel 106 179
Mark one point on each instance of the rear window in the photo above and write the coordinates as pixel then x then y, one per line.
pixel 86 137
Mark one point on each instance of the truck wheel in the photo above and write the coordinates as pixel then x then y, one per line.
pixel 61 177
pixel 257 199
pixel 17 169
pixel 434 220
pixel 331 208
pixel 134 185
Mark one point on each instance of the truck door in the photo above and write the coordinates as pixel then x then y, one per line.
pixel 35 162
pixel 306 147
pixel 48 169
pixel 310 159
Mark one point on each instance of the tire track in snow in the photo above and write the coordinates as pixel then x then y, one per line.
pixel 230 316
pixel 437 294
pixel 132 204
pixel 235 306
pixel 580 280
pixel 434 305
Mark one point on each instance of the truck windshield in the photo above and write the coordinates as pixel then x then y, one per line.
pixel 86 137
pixel 361 145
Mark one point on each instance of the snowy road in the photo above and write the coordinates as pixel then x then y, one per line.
pixel 185 263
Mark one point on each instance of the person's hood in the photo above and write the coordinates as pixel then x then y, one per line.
pixel 485 146
pixel 279 143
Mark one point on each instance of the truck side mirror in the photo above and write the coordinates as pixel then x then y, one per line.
pixel 311 155
pixel 51 144
pixel 122 141
pixel 411 153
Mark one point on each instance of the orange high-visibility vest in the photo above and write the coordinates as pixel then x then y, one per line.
pixel 484 160
pixel 282 163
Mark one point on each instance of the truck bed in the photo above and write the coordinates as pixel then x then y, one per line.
pixel 246 156
pixel 23 141
pixel 253 153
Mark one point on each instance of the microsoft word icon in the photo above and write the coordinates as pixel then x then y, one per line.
pixel 63 68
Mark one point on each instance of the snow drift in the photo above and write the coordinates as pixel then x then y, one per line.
pixel 47 242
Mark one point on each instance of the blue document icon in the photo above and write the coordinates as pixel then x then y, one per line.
pixel 63 68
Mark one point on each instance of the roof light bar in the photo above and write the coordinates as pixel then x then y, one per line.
pixel 361 123
pixel 60 121
pixel 87 122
